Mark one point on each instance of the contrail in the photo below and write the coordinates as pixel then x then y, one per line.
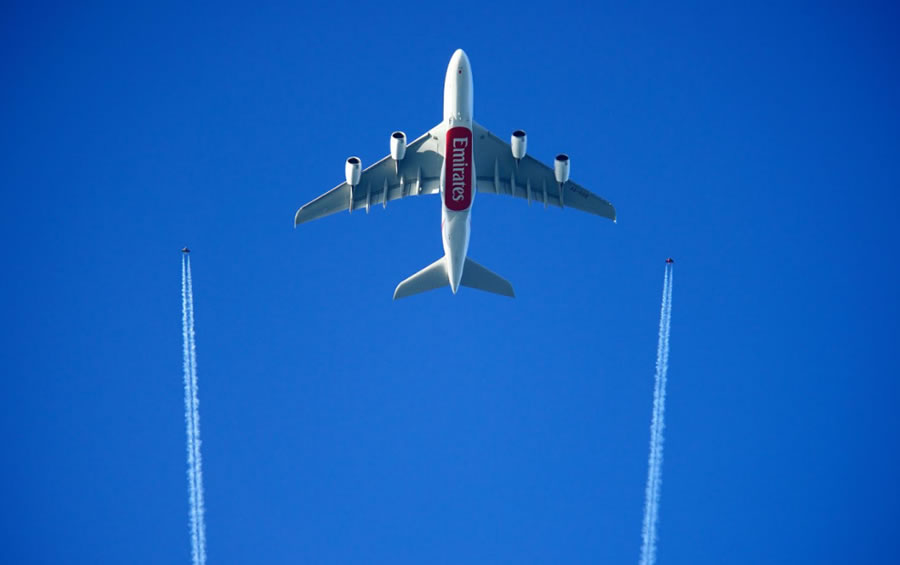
pixel 188 412
pixel 654 465
pixel 192 418
pixel 198 459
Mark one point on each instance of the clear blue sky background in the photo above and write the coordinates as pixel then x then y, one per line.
pixel 757 146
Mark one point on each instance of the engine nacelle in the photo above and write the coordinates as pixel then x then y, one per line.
pixel 398 145
pixel 518 142
pixel 352 170
pixel 561 168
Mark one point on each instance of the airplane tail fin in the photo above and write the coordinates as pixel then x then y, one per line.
pixel 476 276
pixel 431 277
pixel 435 276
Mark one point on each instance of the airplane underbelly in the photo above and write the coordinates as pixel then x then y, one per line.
pixel 459 169
pixel 458 194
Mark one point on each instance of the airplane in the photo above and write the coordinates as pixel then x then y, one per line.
pixel 185 250
pixel 670 260
pixel 456 158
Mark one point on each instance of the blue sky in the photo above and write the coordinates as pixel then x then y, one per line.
pixel 758 146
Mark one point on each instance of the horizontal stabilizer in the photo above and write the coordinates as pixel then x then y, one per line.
pixel 431 277
pixel 476 276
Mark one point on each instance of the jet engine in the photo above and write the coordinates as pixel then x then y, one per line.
pixel 352 170
pixel 561 168
pixel 398 145
pixel 518 142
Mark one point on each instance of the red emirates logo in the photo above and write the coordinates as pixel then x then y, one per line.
pixel 458 175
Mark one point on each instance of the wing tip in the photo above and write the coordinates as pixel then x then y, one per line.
pixel 298 219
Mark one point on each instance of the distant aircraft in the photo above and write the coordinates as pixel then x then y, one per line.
pixel 670 260
pixel 445 160
pixel 185 250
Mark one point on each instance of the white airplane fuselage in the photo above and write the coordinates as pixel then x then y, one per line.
pixel 458 173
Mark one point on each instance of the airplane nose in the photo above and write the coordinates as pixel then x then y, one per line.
pixel 460 60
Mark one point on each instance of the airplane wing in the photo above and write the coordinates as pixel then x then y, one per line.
pixel 498 173
pixel 419 172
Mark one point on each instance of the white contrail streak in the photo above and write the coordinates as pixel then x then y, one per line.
pixel 188 412
pixel 198 459
pixel 192 418
pixel 654 465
